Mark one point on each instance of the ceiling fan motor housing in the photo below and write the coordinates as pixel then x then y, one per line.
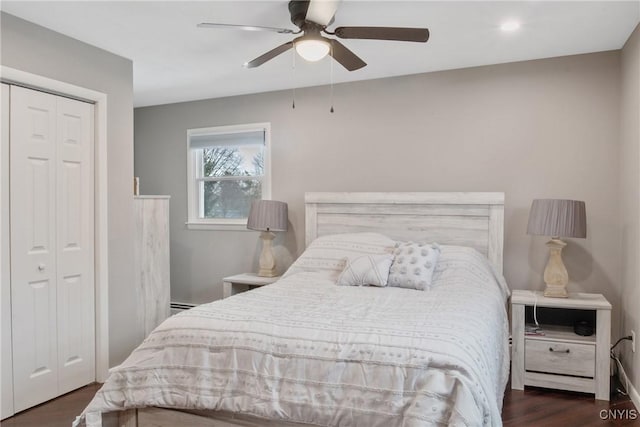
pixel 298 11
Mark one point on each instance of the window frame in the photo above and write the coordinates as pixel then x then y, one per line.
pixel 194 222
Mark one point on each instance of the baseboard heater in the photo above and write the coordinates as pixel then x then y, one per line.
pixel 177 307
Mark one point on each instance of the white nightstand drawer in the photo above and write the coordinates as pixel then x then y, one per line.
pixel 560 358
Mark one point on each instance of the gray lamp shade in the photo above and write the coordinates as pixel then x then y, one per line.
pixel 267 215
pixel 558 218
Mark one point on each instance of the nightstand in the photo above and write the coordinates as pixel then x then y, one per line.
pixel 243 282
pixel 561 359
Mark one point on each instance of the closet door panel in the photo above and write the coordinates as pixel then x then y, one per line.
pixel 75 273
pixel 33 246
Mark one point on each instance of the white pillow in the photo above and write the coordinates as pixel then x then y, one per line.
pixel 413 265
pixel 329 253
pixel 366 270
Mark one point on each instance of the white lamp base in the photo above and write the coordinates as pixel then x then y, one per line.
pixel 267 260
pixel 555 274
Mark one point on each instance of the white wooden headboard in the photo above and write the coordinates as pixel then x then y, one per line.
pixel 464 219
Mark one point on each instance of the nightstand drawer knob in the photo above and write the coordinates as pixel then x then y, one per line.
pixel 559 351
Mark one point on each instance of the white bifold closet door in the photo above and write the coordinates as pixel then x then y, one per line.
pixel 52 245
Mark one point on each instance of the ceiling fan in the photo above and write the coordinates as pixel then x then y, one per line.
pixel 312 19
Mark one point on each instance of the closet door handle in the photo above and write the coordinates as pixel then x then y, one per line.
pixel 41 267
pixel 551 349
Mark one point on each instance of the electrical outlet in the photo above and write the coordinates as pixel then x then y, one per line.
pixel 633 341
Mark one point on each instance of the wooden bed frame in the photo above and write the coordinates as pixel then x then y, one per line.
pixel 466 219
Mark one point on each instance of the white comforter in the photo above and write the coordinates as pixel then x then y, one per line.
pixel 306 350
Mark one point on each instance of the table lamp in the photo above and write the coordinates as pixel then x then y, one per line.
pixel 267 216
pixel 557 218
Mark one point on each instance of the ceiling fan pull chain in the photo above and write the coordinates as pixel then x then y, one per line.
pixel 331 77
pixel 293 66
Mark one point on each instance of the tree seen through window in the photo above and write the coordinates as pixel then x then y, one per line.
pixel 234 180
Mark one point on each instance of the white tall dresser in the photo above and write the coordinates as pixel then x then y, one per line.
pixel 151 260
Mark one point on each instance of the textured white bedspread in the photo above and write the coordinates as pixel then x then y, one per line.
pixel 306 350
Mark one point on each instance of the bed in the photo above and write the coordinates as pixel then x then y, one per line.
pixel 304 351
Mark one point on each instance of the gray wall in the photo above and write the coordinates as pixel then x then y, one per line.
pixel 630 195
pixel 37 50
pixel 536 129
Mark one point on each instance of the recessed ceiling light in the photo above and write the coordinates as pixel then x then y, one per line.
pixel 510 26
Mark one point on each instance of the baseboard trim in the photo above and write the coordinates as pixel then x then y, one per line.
pixel 631 390
pixel 181 305
pixel 177 307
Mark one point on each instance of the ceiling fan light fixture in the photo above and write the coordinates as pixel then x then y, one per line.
pixel 312 50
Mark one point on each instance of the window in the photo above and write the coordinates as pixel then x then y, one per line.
pixel 228 168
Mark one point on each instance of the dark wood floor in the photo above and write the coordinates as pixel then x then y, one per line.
pixel 549 408
pixel 58 412
pixel 533 407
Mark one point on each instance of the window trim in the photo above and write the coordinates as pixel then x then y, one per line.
pixel 193 221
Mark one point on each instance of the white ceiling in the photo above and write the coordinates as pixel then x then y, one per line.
pixel 174 61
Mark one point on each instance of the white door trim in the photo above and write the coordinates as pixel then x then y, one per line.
pixel 6 357
pixel 12 75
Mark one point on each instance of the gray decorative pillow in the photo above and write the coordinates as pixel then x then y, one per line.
pixel 413 265
pixel 372 270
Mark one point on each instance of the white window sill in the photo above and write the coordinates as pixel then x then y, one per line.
pixel 220 226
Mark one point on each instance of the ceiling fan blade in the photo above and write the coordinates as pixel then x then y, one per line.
pixel 246 27
pixel 384 33
pixel 345 57
pixel 322 11
pixel 269 55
